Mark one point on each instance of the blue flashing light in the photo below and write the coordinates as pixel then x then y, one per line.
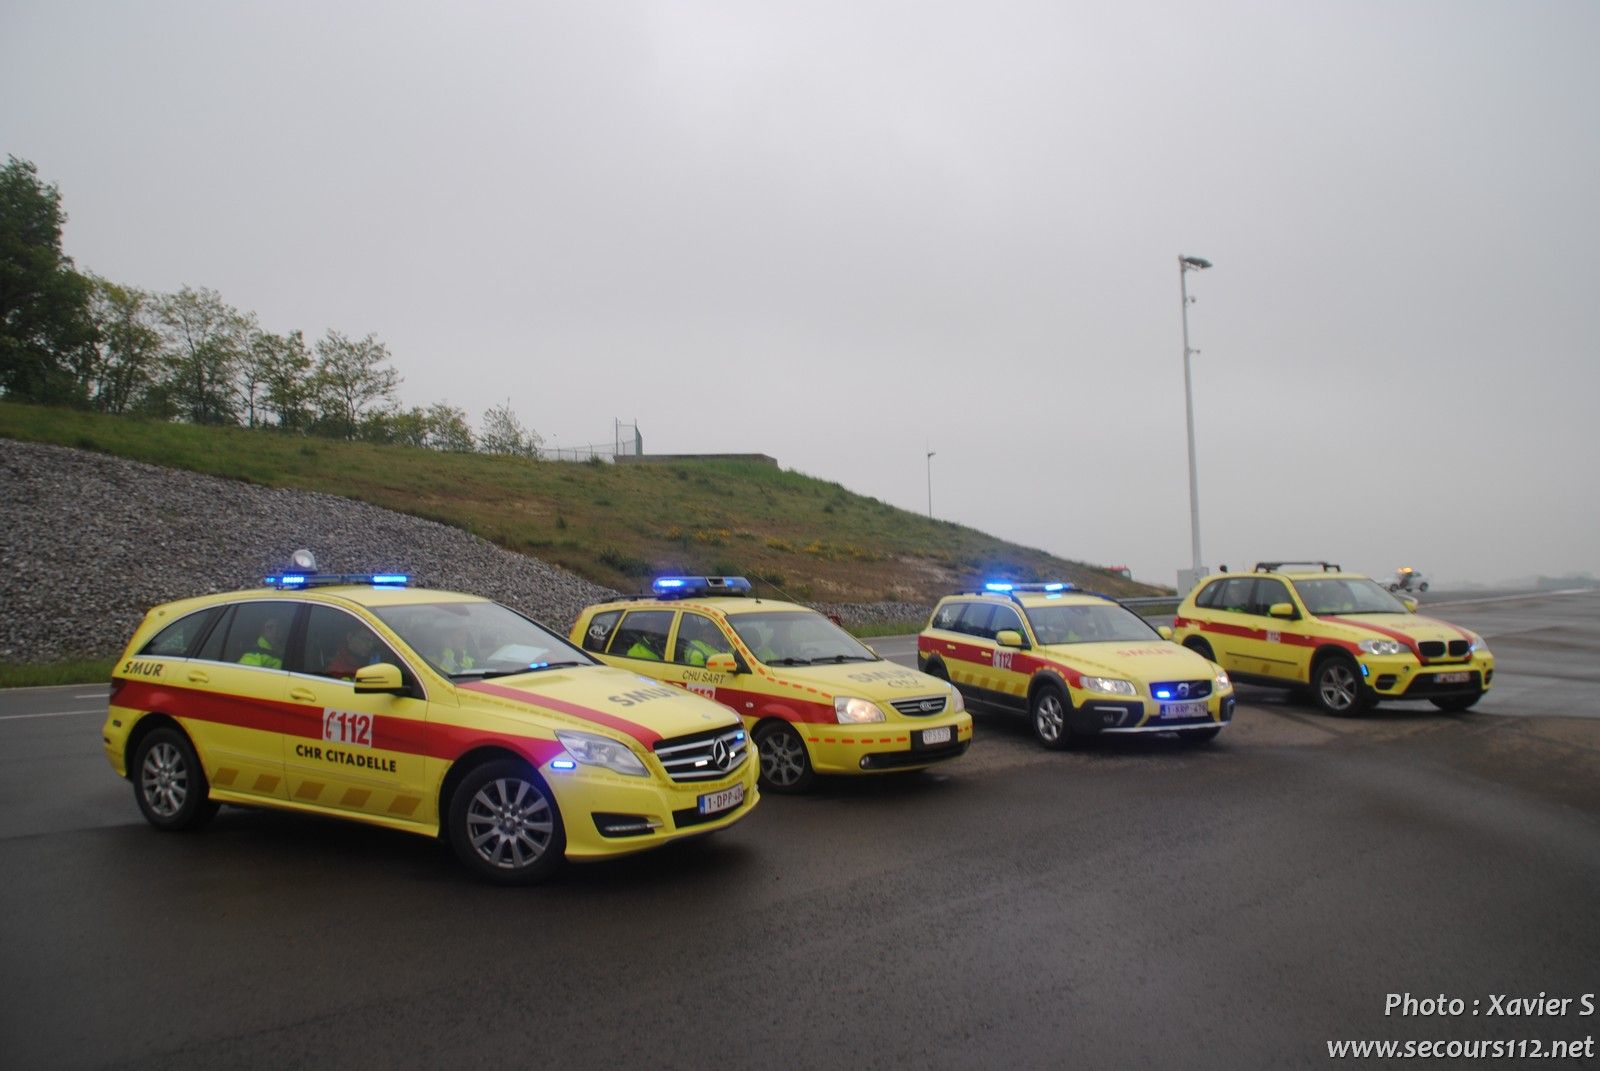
pixel 997 586
pixel 563 764
pixel 1163 694
pixel 538 665
pixel 739 735
pixel 1055 587
pixel 290 580
pixel 390 578
pixel 1365 672
pixel 670 586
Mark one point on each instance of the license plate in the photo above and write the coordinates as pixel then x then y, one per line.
pixel 936 736
pixel 1183 710
pixel 728 798
pixel 1451 678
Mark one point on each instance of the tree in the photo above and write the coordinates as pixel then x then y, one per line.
pixel 448 428
pixel 352 381
pixel 280 370
pixel 127 352
pixel 206 343
pixel 45 329
pixel 503 433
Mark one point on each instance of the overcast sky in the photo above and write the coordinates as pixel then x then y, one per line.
pixel 844 234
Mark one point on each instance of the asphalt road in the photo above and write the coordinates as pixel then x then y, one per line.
pixel 1135 903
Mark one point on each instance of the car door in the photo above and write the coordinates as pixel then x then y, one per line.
pixel 234 699
pixel 1229 626
pixel 345 750
pixel 1007 670
pixel 1284 650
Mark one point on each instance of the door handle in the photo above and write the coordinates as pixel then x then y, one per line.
pixel 949 647
pixel 199 676
pixel 304 695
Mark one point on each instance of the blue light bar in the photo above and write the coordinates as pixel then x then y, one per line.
pixel 688 586
pixel 995 586
pixel 1055 587
pixel 320 580
pixel 391 578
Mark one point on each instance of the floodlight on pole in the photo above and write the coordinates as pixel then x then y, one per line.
pixel 1185 266
pixel 930 483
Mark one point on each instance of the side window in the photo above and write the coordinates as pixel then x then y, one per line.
pixel 1234 596
pixel 599 630
pixel 1268 591
pixel 947 616
pixel 642 634
pixel 211 648
pixel 338 644
pixel 259 633
pixel 1208 595
pixel 1005 618
pixel 182 636
pixel 975 621
pixel 698 639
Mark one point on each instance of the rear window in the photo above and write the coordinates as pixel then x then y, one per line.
pixel 600 629
pixel 182 636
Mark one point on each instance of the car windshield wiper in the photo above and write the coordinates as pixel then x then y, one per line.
pixel 845 658
pixel 788 661
pixel 486 674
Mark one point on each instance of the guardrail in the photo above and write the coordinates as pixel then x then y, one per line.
pixel 1152 605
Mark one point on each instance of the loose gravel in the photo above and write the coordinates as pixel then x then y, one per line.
pixel 89 542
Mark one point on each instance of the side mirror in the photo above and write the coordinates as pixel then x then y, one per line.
pixel 1165 630
pixel 871 648
pixel 382 677
pixel 1008 637
pixel 1410 602
pixel 722 663
pixel 1282 609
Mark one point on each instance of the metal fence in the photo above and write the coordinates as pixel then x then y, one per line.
pixel 626 442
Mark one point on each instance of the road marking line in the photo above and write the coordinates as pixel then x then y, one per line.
pixel 92 695
pixel 51 714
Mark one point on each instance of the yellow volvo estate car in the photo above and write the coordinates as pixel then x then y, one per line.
pixel 1077 663
pixel 814 698
pixel 427 711
pixel 1309 624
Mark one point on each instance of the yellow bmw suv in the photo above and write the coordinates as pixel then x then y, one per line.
pixel 357 696
pixel 1078 664
pixel 1352 643
pixel 814 699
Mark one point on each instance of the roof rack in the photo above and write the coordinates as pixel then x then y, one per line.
pixel 1274 567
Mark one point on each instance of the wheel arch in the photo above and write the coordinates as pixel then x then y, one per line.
pixel 471 760
pixel 142 728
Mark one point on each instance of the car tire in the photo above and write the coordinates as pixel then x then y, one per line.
pixel 936 669
pixel 1048 713
pixel 1336 687
pixel 1201 648
pixel 1196 737
pixel 1456 702
pixel 785 763
pixel 1422 587
pixel 504 824
pixel 168 782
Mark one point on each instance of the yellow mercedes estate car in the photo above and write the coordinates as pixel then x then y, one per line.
pixel 447 715
pixel 1352 643
pixel 814 699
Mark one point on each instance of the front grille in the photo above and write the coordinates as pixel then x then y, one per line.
pixel 1438 648
pixel 921 707
pixel 1176 690
pixel 707 756
pixel 1431 648
pixel 1460 648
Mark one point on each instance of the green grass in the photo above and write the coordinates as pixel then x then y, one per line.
pixel 614 524
pixel 887 628
pixel 71 671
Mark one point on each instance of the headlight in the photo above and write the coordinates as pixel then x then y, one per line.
pixel 1109 685
pixel 1223 683
pixel 956 704
pixel 850 711
pixel 594 750
pixel 1383 647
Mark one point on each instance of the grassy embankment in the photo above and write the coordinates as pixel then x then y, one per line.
pixel 617 525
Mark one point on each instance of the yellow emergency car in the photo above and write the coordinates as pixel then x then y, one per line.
pixel 361 697
pixel 814 698
pixel 1310 624
pixel 1077 663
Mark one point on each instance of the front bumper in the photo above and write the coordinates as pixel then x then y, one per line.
pixel 1096 714
pixel 875 748
pixel 608 814
pixel 1403 677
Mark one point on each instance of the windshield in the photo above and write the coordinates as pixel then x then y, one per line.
pixel 1087 623
pixel 1347 595
pixel 797 639
pixel 473 640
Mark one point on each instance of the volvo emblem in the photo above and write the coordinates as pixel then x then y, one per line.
pixel 720 757
pixel 1183 690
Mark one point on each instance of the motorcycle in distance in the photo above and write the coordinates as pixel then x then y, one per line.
pixel 1408 579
